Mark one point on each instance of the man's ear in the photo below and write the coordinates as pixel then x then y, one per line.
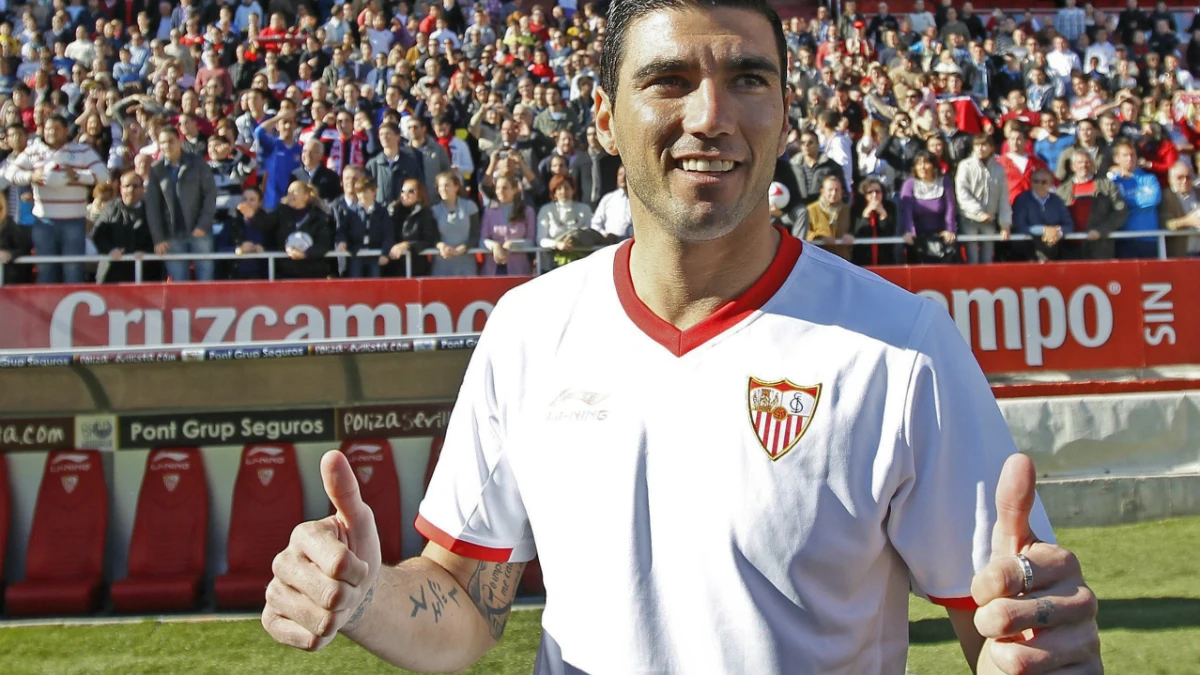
pixel 603 114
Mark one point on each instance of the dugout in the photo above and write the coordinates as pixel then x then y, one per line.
pixel 220 400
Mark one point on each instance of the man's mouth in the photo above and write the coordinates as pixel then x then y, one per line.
pixel 707 166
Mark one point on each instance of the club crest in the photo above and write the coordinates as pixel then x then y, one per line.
pixel 69 482
pixel 170 481
pixel 780 413
pixel 364 473
pixel 265 476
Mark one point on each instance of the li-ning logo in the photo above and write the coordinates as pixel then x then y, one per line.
pixel 577 406
pixel 365 452
pixel 265 476
pixel 167 460
pixel 70 461
pixel 273 455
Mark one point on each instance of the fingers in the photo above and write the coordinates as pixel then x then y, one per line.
pixel 1004 577
pixel 1062 605
pixel 301 574
pixel 290 633
pixel 321 542
pixel 1073 649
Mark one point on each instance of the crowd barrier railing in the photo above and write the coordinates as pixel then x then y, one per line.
pixel 139 260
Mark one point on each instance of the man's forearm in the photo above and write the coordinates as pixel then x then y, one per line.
pixel 418 617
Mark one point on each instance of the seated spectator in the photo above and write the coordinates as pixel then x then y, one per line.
pixel 1041 214
pixel 928 213
pixel 826 222
pixel 1096 207
pixel 875 218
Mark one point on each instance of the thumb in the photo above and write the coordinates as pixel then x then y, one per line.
pixel 1015 495
pixel 353 514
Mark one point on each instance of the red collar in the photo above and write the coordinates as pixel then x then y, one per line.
pixel 680 342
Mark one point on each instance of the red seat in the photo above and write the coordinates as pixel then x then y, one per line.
pixel 170 532
pixel 268 503
pixel 435 451
pixel 375 468
pixel 4 511
pixel 64 562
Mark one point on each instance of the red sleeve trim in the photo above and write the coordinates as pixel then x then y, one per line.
pixel 459 547
pixel 967 603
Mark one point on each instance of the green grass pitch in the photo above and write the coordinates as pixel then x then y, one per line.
pixel 1146 575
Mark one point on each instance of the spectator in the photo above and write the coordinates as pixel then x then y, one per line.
pixel 1087 140
pixel 837 144
pixel 876 219
pixel 927 213
pixel 458 229
pixel 393 165
pixel 1096 206
pixel 181 200
pixel 1142 194
pixel 62 175
pixel 1041 214
pixel 613 218
pixel 1181 211
pixel 302 229
pixel 810 167
pixel 312 170
pixel 1017 163
pixel 371 229
pixel 278 155
pixel 415 227
pixel 981 191
pixel 121 231
pixel 826 222
pixel 506 224
pixel 564 224
pixel 15 242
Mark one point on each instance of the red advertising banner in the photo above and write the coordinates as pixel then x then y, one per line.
pixel 1020 317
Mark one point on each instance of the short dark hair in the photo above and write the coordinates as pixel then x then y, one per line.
pixel 622 14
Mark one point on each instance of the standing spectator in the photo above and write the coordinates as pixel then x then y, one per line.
pixel 1070 22
pixel 15 242
pixel 278 156
pixel 1042 214
pixel 1181 211
pixel 121 231
pixel 1087 140
pixel 458 228
pixel 981 191
pixel 62 175
pixel 506 224
pixel 564 224
pixel 877 219
pixel 837 144
pixel 826 222
pixel 1157 151
pixel 372 229
pixel 415 228
pixel 394 165
pixel 1017 163
pixel 927 213
pixel 1096 206
pixel 346 214
pixel 613 218
pixel 810 167
pixel 181 200
pixel 303 230
pixel 922 20
pixel 312 170
pixel 1142 194
pixel 1060 63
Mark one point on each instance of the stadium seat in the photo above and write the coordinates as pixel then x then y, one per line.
pixel 268 502
pixel 4 511
pixel 531 580
pixel 64 562
pixel 375 468
pixel 170 532
pixel 435 451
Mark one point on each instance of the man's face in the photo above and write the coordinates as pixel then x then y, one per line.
pixel 170 145
pixel 311 155
pixel 1124 158
pixel 131 189
pixel 1180 179
pixel 831 191
pixel 54 133
pixel 946 115
pixel 389 139
pixel 1086 133
pixel 16 140
pixel 1042 181
pixel 721 102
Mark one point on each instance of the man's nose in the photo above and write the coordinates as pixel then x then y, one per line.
pixel 709 111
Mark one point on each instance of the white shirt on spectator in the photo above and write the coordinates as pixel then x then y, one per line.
pixel 837 147
pixel 1104 52
pixel 241 17
pixel 445 34
pixel 613 215
pixel 921 22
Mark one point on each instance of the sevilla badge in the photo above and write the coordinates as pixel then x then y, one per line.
pixel 780 413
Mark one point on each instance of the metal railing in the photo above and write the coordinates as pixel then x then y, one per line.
pixel 139 260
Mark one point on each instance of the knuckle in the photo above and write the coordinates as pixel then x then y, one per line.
pixel 1013 659
pixel 331 594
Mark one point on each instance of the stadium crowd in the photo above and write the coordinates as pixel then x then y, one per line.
pixel 371 125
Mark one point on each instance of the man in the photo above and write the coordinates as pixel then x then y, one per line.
pixel 554 118
pixel 836 143
pixel 736 583
pixel 811 168
pixel 181 200
pixel 826 222
pixel 921 18
pixel 882 21
pixel 958 141
pixel 613 217
pixel 1041 214
pixel 1181 211
pixel 1017 163
pixel 278 156
pixel 1070 21
pixel 983 204
pixel 312 170
pixel 394 165
pixel 1096 206
pixel 62 174
pixel 433 157
pixel 1087 140
pixel 121 233
pixel 1142 194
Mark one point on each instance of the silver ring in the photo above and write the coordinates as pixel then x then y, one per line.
pixel 1027 570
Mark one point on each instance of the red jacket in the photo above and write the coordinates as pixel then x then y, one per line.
pixel 1019 181
pixel 1161 158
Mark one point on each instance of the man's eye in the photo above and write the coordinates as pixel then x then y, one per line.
pixel 669 82
pixel 751 81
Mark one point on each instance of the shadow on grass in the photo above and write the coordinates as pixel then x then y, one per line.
pixel 1120 613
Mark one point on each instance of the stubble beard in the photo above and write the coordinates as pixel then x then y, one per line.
pixel 684 224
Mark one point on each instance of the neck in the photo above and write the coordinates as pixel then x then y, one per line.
pixel 685 282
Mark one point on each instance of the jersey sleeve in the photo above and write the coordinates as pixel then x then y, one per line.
pixel 473 507
pixel 953 446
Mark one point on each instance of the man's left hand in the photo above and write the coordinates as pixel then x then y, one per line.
pixel 1049 627
pixel 199 232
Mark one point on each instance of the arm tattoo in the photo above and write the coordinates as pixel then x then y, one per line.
pixel 436 601
pixel 362 608
pixel 492 590
pixel 1044 609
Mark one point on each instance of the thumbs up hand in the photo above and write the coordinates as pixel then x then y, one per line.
pixel 325 578
pixel 1046 624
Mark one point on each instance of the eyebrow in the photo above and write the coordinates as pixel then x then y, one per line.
pixel 740 63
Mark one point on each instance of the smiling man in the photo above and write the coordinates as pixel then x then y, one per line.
pixel 781 445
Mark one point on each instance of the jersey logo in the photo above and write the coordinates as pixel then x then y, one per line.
pixel 780 413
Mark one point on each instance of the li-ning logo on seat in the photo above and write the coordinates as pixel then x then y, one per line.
pixel 577 406
pixel 272 453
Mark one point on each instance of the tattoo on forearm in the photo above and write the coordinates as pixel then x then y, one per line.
pixel 362 607
pixel 436 601
pixel 492 592
pixel 1044 609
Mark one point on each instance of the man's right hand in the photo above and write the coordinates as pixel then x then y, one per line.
pixel 38 177
pixel 325 578
pixel 161 248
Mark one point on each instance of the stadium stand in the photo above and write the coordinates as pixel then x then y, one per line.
pixel 375 468
pixel 267 503
pixel 170 533
pixel 64 564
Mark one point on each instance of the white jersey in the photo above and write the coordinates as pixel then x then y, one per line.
pixel 752 495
